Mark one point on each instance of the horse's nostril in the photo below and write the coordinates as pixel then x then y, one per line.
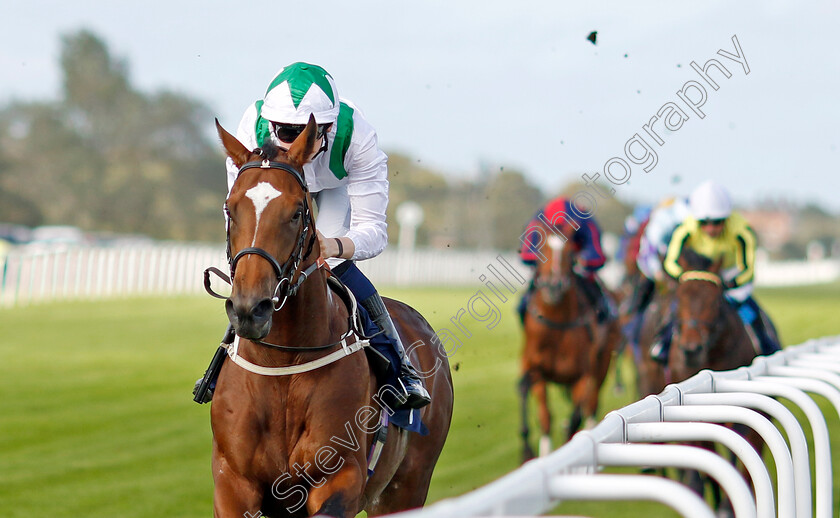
pixel 692 348
pixel 231 312
pixel 263 310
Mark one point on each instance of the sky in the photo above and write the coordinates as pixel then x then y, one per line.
pixel 469 87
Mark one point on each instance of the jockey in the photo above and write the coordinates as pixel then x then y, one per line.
pixel 586 239
pixel 634 225
pixel 714 231
pixel 348 179
pixel 653 245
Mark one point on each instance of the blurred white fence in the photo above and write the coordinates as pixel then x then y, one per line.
pixel 793 273
pixel 32 275
pixel 685 412
pixel 97 272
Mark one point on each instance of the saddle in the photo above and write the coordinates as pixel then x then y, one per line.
pixel 382 359
pixel 379 362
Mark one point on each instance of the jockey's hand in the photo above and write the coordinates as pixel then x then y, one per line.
pixel 330 247
pixel 728 285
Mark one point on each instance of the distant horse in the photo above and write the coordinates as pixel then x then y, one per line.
pixel 707 333
pixel 633 288
pixel 298 444
pixel 564 344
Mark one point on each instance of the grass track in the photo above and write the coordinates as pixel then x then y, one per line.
pixel 96 416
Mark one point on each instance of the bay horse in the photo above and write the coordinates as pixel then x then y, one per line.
pixel 707 333
pixel 298 444
pixel 563 343
pixel 631 292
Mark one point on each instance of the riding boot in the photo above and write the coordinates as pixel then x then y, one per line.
pixel 768 345
pixel 204 386
pixel 661 346
pixel 522 308
pixel 642 295
pixel 750 315
pixel 417 395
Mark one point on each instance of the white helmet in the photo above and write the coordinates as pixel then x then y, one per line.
pixel 298 90
pixel 710 201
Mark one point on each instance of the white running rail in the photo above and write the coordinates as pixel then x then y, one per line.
pixel 692 410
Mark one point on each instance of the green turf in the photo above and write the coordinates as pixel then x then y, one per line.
pixel 96 416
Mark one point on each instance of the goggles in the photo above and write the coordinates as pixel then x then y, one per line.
pixel 712 222
pixel 289 132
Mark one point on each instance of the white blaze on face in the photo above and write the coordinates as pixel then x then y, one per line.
pixel 555 243
pixel 261 194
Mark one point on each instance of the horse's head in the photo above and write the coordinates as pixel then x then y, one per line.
pixel 699 299
pixel 554 274
pixel 271 235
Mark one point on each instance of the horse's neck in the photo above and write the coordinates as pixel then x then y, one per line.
pixel 733 346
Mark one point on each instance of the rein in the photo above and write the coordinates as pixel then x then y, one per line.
pixel 554 324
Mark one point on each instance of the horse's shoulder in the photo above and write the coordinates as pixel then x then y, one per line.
pixel 402 308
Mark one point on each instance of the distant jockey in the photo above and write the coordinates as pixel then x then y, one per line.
pixel 585 237
pixel 653 244
pixel 714 231
pixel 634 225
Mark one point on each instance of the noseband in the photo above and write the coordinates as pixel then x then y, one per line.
pixel 284 273
pixel 694 323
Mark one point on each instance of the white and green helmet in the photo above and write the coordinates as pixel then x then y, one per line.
pixel 298 90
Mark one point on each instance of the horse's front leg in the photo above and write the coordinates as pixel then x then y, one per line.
pixel 544 415
pixel 234 496
pixel 524 431
pixel 340 495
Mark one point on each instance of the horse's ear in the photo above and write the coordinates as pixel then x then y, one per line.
pixel 304 145
pixel 235 150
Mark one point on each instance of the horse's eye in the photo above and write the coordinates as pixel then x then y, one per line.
pixel 297 215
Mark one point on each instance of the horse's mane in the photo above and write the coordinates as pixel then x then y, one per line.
pixel 270 150
pixel 691 260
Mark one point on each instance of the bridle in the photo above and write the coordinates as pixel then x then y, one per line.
pixel 694 323
pixel 556 283
pixel 554 286
pixel 286 286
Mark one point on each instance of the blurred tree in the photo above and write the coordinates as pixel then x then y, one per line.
pixel 511 201
pixel 610 213
pixel 489 212
pixel 811 224
pixel 410 181
pixel 108 157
